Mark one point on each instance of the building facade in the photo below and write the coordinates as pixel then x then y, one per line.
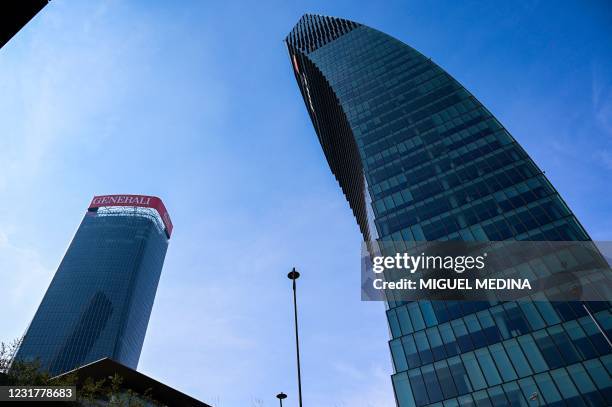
pixel 420 158
pixel 100 299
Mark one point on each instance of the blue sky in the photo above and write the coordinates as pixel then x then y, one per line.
pixel 195 102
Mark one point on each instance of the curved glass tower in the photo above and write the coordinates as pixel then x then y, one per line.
pixel 420 158
pixel 100 299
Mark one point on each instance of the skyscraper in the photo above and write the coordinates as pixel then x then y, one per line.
pixel 15 15
pixel 100 299
pixel 420 158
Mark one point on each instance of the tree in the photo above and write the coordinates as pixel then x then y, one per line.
pixel 7 353
pixel 90 392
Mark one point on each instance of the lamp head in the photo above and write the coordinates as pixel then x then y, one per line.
pixel 293 274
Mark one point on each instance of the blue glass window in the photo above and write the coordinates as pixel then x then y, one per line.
pixel 428 313
pixel 497 396
pixel 446 379
pixel 566 387
pixel 448 337
pixel 503 363
pixel 548 390
pixel 514 394
pixel 564 344
pixel 435 341
pixel 534 356
pixel 404 320
pixel 585 385
pixel 461 333
pixel 481 399
pixel 415 316
pixel 517 357
pixel 423 347
pixel 490 329
pixel 411 352
pixel 548 349
pixel 397 351
pixel 473 370
pixel 580 340
pixel 601 377
pixel 418 387
pixel 402 390
pixel 488 367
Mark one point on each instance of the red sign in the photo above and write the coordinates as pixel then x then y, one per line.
pixel 134 200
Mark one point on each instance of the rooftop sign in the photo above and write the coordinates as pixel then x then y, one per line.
pixel 143 201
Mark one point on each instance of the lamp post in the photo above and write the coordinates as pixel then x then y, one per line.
pixel 294 275
pixel 281 396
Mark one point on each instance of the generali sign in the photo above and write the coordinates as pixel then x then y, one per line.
pixel 143 201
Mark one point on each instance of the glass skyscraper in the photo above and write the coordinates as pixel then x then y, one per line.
pixel 100 299
pixel 420 158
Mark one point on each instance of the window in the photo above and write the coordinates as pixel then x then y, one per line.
pixel 497 396
pixel 459 375
pixel 448 337
pixel 564 344
pixel 397 351
pixel 431 383
pixel 517 357
pixel 410 350
pixel 597 339
pixel 532 315
pixel 463 339
pixel 503 363
pixel 533 354
pixel 514 394
pixel 548 390
pixel 547 312
pixel 415 316
pixel 404 320
pixel 473 370
pixel 601 378
pixel 585 385
pixel 428 313
pixel 394 323
pixel 423 347
pixel 501 321
pixel 466 401
pixel 566 387
pixel 530 390
pixel 402 390
pixel 580 340
pixel 548 349
pixel 435 341
pixel 488 325
pixel 482 399
pixel 440 311
pixel 418 387
pixel 476 333
pixel 488 367
pixel 451 403
pixel 516 322
pixel 446 380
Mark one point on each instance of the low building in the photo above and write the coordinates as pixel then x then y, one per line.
pixel 133 386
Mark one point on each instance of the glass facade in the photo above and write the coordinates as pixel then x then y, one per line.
pixel 419 158
pixel 100 299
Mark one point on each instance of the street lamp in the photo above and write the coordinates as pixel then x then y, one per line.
pixel 281 396
pixel 294 275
